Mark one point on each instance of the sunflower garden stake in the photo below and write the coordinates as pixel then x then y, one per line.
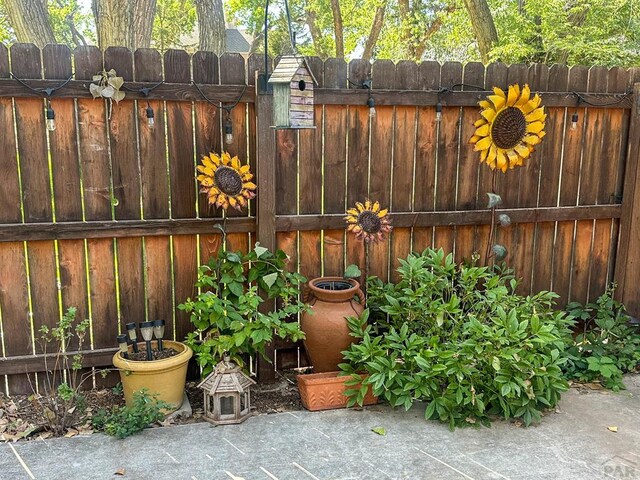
pixel 512 124
pixel 226 182
pixel 370 224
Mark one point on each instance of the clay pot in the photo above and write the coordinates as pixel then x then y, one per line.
pixel 166 377
pixel 325 326
pixel 325 391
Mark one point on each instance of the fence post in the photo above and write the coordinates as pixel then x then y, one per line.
pixel 627 272
pixel 266 212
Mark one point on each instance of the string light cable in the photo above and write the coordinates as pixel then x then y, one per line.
pixel 150 114
pixel 50 114
pixel 367 85
pixel 227 126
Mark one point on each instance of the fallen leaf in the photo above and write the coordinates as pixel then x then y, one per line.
pixel 379 430
pixel 594 386
pixel 120 471
pixel 72 432
pixel 613 429
pixel 45 435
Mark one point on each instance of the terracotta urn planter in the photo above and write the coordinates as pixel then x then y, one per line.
pixel 166 376
pixel 325 391
pixel 325 325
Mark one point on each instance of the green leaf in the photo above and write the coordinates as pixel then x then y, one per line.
pixel 352 271
pixel 379 430
pixel 260 250
pixel 495 363
pixel 270 279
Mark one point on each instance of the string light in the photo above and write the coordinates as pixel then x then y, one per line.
pixel 228 130
pixel 371 103
pixel 49 114
pixel 51 117
pixel 438 111
pixel 227 125
pixel 151 122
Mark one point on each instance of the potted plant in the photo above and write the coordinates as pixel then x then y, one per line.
pixel 161 371
pixel 326 324
pixel 226 313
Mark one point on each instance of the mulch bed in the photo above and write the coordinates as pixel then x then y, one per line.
pixel 21 417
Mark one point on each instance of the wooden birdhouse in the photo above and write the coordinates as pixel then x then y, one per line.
pixel 292 83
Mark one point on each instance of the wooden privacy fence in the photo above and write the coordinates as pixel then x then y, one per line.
pixel 103 213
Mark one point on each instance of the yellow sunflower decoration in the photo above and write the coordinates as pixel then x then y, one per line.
pixel 225 181
pixel 512 124
pixel 368 221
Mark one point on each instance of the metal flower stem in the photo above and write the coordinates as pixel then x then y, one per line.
pixel 492 231
pixel 367 265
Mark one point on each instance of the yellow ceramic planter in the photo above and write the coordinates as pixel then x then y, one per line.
pixel 165 377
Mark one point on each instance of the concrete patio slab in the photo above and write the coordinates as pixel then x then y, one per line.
pixel 573 443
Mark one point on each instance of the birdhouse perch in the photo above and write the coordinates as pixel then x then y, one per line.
pixel 293 85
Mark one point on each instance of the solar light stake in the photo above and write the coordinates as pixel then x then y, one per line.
pixel 146 329
pixel 131 331
pixel 158 332
pixel 124 345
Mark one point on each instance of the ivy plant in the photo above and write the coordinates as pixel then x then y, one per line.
pixel 226 312
pixel 459 338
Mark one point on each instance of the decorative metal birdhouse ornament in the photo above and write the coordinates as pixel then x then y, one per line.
pixel 293 83
pixel 227 394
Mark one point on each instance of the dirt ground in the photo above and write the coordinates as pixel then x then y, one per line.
pixel 21 417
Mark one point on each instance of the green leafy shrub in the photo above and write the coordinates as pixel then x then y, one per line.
pixel 607 345
pixel 460 339
pixel 124 421
pixel 226 313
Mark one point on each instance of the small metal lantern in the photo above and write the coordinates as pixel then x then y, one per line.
pixel 227 394
pixel 292 82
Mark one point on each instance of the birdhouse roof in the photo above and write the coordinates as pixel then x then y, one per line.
pixel 287 67
pixel 228 382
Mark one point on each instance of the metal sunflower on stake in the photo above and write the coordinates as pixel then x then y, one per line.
pixel 369 223
pixel 510 127
pixel 226 182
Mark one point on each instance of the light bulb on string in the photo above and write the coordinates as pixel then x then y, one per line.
pixel 371 103
pixel 151 121
pixel 438 111
pixel 51 118
pixel 228 131
pixel 574 121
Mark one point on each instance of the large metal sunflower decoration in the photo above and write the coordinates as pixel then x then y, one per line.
pixel 512 124
pixel 225 181
pixel 368 221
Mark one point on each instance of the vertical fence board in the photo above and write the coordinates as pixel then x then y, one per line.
pixel 335 165
pixel 447 164
pixel 429 79
pixel 382 131
pixel 404 146
pixel 183 188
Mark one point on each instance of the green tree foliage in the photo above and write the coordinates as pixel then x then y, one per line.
pixel 174 24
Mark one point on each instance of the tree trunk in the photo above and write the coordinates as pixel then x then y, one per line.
pixel 421 46
pixel 30 21
pixel 114 22
pixel 144 14
pixel 316 34
pixel 372 39
pixel 483 26
pixel 338 28
pixel 211 26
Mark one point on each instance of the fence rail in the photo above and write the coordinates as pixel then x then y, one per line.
pixel 104 213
